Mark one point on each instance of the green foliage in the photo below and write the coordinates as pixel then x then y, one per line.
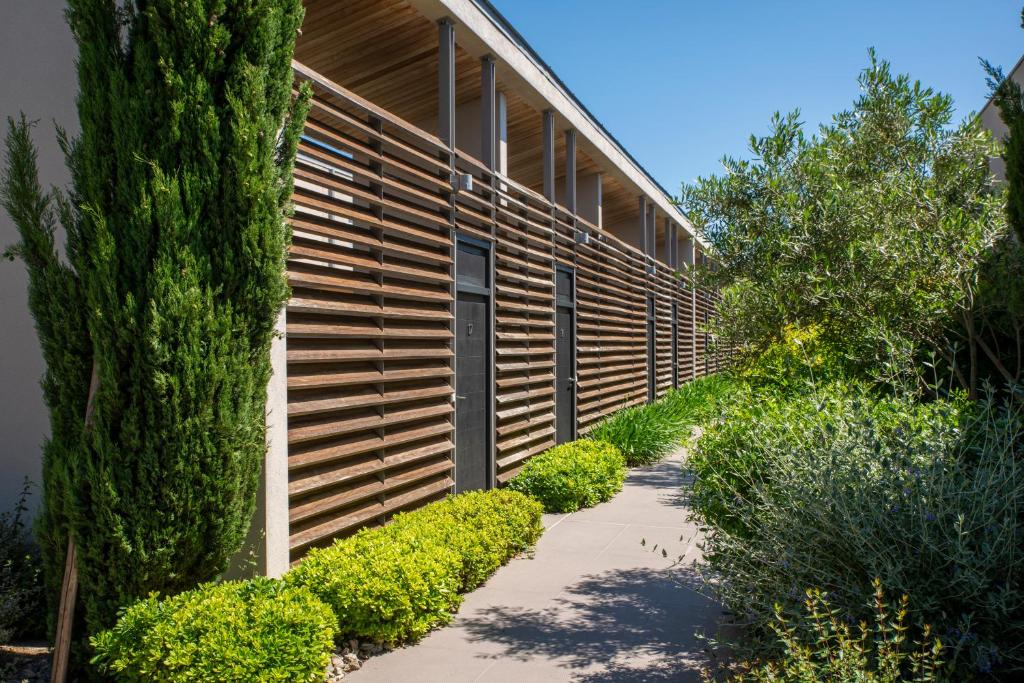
pixel 643 434
pixel 822 646
pixel 257 630
pixel 836 485
pixel 800 357
pixel 393 584
pixel 21 587
pixel 174 277
pixel 876 232
pixel 484 528
pixel 384 586
pixel 573 475
pixel 700 402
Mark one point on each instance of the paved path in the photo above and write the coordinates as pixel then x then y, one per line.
pixel 596 602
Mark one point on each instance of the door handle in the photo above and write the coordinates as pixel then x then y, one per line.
pixel 461 398
pixel 572 380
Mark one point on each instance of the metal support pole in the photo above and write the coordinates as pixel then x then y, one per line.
pixel 667 250
pixel 652 228
pixel 643 225
pixel 488 109
pixel 693 308
pixel 570 171
pixel 446 82
pixel 549 155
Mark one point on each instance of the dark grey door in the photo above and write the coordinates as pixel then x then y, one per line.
pixel 472 367
pixel 652 383
pixel 565 356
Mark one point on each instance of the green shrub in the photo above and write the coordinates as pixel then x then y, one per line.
pixel 258 630
pixel 702 401
pixel 822 646
pixel 799 358
pixel 643 434
pixel 485 528
pixel 574 475
pixel 395 583
pixel 384 586
pixel 22 607
pixel 837 486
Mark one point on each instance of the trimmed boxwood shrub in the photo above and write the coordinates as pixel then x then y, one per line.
pixel 485 528
pixel 395 583
pixel 258 630
pixel 574 475
pixel 383 585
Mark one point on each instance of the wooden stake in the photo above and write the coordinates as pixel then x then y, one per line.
pixel 65 617
pixel 69 586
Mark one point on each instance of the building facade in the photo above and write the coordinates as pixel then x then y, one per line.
pixel 479 270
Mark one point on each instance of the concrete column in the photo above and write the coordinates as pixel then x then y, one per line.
pixel 570 171
pixel 549 155
pixel 275 464
pixel 266 549
pixel 488 114
pixel 446 82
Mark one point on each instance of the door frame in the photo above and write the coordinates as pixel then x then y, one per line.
pixel 569 303
pixel 462 238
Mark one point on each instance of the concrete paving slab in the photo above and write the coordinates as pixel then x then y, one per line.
pixel 592 604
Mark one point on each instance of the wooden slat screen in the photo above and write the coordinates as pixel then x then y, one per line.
pixel 525 340
pixel 370 357
pixel 369 322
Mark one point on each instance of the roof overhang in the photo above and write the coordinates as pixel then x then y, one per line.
pixel 481 30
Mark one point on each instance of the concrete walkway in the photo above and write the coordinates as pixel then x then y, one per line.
pixel 596 602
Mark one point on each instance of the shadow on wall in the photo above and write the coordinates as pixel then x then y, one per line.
pixel 619 625
pixel 36 43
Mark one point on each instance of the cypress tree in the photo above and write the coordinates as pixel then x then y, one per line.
pixel 1008 96
pixel 173 279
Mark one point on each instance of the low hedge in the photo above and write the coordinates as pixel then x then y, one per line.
pixel 384 586
pixel 485 528
pixel 257 630
pixel 574 475
pixel 395 583
pixel 387 585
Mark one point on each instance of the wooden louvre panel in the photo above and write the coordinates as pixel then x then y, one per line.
pixel 612 329
pixel 369 321
pixel 370 338
pixel 524 328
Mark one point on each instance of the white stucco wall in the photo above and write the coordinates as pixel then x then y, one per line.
pixel 991 120
pixel 37 53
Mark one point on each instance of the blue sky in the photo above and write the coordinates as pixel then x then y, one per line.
pixel 681 83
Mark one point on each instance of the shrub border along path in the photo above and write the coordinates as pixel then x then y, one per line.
pixel 596 601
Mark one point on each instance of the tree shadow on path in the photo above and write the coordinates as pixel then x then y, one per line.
pixel 619 625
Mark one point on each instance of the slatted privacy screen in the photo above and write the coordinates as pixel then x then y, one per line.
pixel 370 321
pixel 524 312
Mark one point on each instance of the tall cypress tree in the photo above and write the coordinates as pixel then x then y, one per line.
pixel 1008 96
pixel 173 278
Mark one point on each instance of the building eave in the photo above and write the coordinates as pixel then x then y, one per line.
pixel 498 37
